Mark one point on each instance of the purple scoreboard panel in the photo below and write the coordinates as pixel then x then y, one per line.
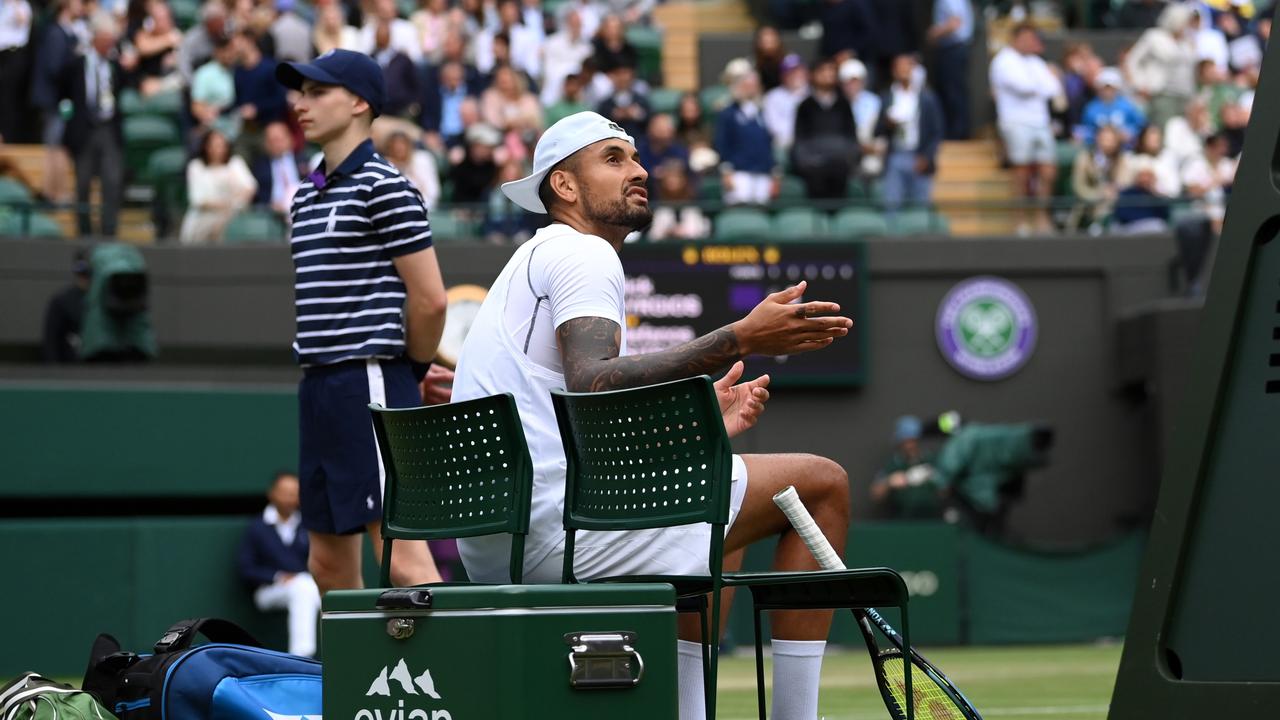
pixel 678 291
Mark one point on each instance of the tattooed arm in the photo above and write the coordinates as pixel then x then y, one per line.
pixel 589 346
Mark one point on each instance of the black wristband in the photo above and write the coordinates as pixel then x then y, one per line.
pixel 418 369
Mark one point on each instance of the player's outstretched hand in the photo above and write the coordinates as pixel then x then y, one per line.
pixel 741 403
pixel 781 326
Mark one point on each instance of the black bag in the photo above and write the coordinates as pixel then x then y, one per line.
pixel 227 677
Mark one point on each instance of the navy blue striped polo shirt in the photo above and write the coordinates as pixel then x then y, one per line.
pixel 347 227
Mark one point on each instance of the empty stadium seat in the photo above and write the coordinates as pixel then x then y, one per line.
pixel 741 223
pixel 917 221
pixel 711 188
pixel 799 223
pixel 664 100
pixel 648 44
pixel 714 99
pixel 13 191
pixel 792 190
pixel 143 135
pixel 165 104
pixel 447 226
pixel 254 226
pixel 852 223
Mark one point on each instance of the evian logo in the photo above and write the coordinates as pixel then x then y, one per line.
pixel 400 677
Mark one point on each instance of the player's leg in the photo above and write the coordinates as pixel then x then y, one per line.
pixel 411 561
pixel 799 636
pixel 334 561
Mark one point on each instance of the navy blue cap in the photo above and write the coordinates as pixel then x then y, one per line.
pixel 354 71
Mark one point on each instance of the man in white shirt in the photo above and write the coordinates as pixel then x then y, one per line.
pixel 562 56
pixel 1024 85
pixel 781 102
pixel 15 32
pixel 554 318
pixel 404 34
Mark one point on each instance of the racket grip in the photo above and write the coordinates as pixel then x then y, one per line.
pixel 789 502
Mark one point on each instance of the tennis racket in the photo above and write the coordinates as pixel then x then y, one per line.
pixel 935 698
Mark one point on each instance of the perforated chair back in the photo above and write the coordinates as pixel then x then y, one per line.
pixel 454 471
pixel 642 458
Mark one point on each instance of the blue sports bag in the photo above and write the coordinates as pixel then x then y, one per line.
pixel 231 678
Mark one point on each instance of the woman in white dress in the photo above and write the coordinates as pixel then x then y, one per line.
pixel 417 165
pixel 219 185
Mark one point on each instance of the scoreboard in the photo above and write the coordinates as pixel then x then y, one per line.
pixel 676 292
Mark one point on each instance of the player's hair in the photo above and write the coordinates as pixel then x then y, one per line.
pixel 545 193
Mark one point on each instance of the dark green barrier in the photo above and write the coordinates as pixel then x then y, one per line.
pixel 1017 596
pixel 69 441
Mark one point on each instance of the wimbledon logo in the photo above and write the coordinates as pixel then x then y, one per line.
pixel 399 677
pixel 986 328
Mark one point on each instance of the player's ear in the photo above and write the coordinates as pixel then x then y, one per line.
pixel 565 186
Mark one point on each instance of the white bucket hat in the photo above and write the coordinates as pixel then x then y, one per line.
pixel 566 137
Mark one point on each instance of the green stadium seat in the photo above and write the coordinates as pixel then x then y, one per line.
pixel 13 191
pixel 143 135
pixel 449 226
pixel 917 221
pixel 254 226
pixel 164 104
pixel 792 190
pixel 185 12
pixel 664 100
pixel 648 44
pixel 711 188
pixel 167 164
pixel 799 223
pixel 41 225
pixel 741 223
pixel 714 99
pixel 26 222
pixel 853 223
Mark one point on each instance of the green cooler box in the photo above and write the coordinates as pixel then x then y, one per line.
pixel 490 652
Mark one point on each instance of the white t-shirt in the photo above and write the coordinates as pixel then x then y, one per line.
pixel 558 275
pixel 1023 85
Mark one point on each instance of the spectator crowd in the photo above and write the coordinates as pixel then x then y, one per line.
pixel 473 83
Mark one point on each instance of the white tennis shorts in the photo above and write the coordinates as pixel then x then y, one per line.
pixel 680 550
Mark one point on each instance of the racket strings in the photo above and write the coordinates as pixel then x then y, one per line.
pixel 931 701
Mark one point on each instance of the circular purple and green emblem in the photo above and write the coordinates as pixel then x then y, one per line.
pixel 986 328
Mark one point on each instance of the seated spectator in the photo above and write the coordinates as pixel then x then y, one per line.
pixel 219 185
pixel 260 98
pixel 626 104
pixel 272 561
pixel 1210 42
pixel 279 171
pixel 907 482
pixel 826 147
pixel 1150 152
pixel 563 56
pixel 677 215
pixel 747 165
pixel 404 35
pixel 1111 108
pixel 504 221
pixel 1184 135
pixel 866 107
pixel 64 315
pixel 691 126
pixel 1093 180
pixel 398 73
pixel 768 56
pixel 1140 207
pixel 198 43
pixel 442 106
pixel 417 165
pixel 1023 85
pixel 508 106
pixel 156 41
pixel 524 43
pixel 781 102
pixel 290 34
pixel 432 21
pixel 1080 68
pixel 213 92
pixel 1208 178
pixel 611 46
pixel 589 11
pixel 332 31
pixel 570 101
pixel 474 167
pixel 632 12
pixel 912 122
pixel 660 146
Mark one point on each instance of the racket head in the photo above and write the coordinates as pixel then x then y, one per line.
pixel 935 697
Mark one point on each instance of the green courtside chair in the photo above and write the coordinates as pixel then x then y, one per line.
pixel 742 223
pixel 143 135
pixel 852 223
pixel 659 456
pixel 664 100
pixel 13 191
pixel 799 223
pixel 792 190
pixel 917 221
pixel 453 471
pixel 254 226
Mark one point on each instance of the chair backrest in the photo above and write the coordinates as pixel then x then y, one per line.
pixel 647 457
pixel 456 470
pixel 742 223
pixel 254 226
pixel 858 222
pixel 799 223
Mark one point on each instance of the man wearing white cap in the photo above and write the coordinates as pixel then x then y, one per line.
pixel 554 318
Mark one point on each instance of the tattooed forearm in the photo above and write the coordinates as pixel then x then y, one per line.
pixel 589 349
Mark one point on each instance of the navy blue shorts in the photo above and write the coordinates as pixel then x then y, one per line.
pixel 339 471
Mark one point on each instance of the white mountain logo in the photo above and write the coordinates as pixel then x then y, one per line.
pixel 277 716
pixel 382 685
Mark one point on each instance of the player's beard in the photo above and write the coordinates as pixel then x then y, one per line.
pixel 617 213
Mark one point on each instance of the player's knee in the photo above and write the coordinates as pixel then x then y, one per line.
pixel 832 484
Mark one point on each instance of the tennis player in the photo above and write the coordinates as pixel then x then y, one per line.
pixel 370 308
pixel 554 318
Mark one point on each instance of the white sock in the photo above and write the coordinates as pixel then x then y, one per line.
pixel 693 701
pixel 797 666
